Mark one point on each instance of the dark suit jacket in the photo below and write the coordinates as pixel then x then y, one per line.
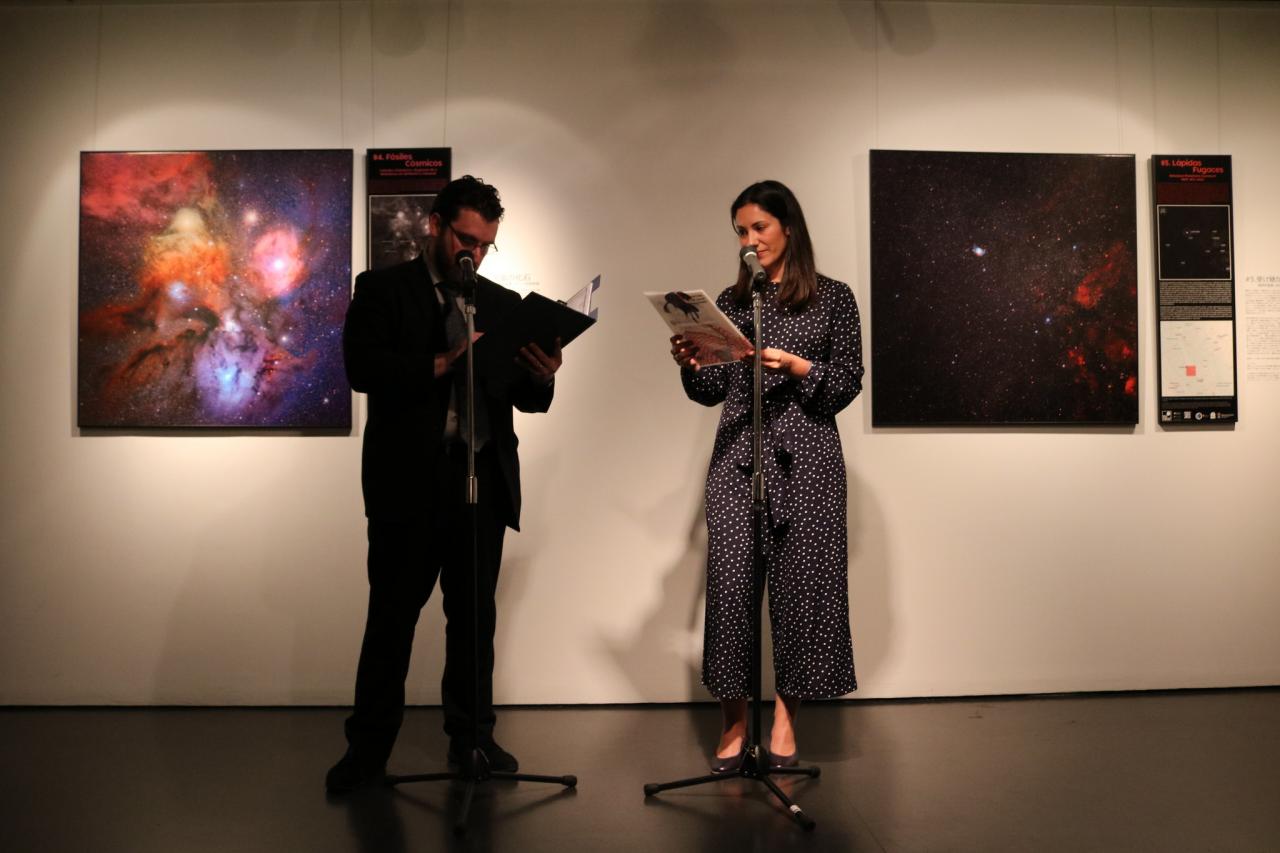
pixel 393 331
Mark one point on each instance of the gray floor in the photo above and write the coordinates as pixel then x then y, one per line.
pixel 1158 772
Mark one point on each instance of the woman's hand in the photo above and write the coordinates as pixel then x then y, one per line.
pixel 781 361
pixel 684 352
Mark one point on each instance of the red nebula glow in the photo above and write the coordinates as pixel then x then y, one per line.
pixel 1095 285
pixel 1118 349
pixel 145 188
pixel 1131 386
pixel 276 266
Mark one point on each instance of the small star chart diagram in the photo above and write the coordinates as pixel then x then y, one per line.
pixel 1003 289
pixel 213 287
pixel 1194 242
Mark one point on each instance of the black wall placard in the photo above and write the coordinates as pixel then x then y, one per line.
pixel 1195 288
pixel 402 184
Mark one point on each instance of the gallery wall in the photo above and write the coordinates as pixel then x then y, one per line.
pixel 227 568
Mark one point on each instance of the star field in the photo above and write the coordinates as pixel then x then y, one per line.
pixel 1004 288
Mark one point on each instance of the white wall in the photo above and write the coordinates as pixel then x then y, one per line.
pixel 229 568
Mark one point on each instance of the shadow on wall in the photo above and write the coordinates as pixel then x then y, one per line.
pixel 401 29
pixel 689 55
pixel 670 636
pixel 906 28
pixel 201 662
pixel 869 610
pixel 306 611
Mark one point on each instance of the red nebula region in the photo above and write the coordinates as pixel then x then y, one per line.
pixel 1118 349
pixel 1095 285
pixel 276 266
pixel 143 189
pixel 1110 344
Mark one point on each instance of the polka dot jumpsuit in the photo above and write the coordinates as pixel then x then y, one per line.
pixel 806 551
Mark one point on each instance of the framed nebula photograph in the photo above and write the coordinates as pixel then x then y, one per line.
pixel 213 287
pixel 1003 289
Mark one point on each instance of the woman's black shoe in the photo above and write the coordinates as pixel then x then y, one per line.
pixel 782 762
pixel 730 764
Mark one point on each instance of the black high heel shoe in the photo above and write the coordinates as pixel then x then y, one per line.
pixel 730 764
pixel 777 761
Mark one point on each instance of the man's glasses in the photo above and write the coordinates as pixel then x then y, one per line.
pixel 470 242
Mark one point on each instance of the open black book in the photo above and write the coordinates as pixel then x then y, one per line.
pixel 537 320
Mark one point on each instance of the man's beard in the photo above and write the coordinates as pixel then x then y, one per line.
pixel 445 265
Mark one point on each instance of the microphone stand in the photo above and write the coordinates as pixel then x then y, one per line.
pixel 477 768
pixel 755 763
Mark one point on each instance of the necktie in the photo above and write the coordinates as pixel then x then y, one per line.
pixel 455 330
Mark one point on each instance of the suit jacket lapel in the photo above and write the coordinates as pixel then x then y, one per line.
pixel 424 293
pixel 484 307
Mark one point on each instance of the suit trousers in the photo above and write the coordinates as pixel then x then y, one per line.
pixel 405 560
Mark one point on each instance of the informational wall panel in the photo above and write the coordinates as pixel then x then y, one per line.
pixel 1195 288
pixel 402 184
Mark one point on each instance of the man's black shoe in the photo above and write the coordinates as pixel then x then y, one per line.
pixel 351 772
pixel 496 757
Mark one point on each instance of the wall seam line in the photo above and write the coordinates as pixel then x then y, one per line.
pixel 1115 31
pixel 97 76
pixel 342 88
pixel 448 52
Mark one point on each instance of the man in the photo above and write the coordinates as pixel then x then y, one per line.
pixel 403 344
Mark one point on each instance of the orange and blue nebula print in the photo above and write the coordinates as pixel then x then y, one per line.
pixel 213 286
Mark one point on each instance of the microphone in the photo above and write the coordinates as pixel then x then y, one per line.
pixel 752 260
pixel 466 265
pixel 467 268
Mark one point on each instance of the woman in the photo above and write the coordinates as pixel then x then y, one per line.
pixel 812 357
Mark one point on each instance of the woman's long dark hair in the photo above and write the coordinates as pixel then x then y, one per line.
pixel 799 275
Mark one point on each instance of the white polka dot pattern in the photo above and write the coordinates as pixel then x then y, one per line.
pixel 806 551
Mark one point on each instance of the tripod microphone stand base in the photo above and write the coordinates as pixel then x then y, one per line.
pixel 755 765
pixel 477 771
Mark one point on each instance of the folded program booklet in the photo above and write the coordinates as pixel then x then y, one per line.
pixel 694 315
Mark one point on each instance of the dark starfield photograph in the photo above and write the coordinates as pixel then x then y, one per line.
pixel 213 286
pixel 1003 289
pixel 397 228
pixel 1194 242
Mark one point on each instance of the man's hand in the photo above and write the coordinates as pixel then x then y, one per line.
pixel 542 366
pixel 444 360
